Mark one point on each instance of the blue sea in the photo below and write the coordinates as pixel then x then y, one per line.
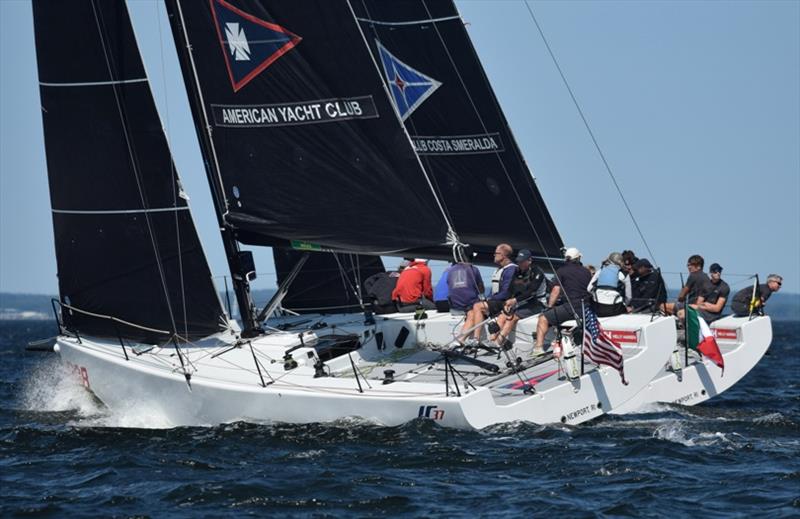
pixel 63 455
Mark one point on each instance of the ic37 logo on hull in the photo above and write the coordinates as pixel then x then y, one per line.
pixel 431 411
pixel 249 44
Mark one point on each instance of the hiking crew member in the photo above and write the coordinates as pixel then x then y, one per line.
pixel 571 281
pixel 648 288
pixel 501 283
pixel 611 287
pixel 694 287
pixel 414 287
pixel 741 301
pixel 528 295
pixel 711 303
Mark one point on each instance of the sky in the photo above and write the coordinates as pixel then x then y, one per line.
pixel 696 106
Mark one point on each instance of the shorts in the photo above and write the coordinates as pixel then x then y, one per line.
pixel 526 311
pixel 708 317
pixel 740 309
pixel 609 310
pixel 495 306
pixel 442 306
pixel 559 314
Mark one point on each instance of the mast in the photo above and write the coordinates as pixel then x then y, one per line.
pixel 240 263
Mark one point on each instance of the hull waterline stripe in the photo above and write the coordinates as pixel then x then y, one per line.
pixel 95 83
pixel 123 211
pixel 412 22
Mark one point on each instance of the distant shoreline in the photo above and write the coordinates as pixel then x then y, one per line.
pixel 783 306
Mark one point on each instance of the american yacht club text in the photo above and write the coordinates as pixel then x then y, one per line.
pixel 311 112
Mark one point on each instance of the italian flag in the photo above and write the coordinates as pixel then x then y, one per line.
pixel 700 338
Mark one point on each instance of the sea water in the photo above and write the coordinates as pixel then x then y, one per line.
pixel 63 454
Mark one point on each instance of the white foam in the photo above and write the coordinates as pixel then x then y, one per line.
pixel 52 387
pixel 136 416
pixel 310 454
pixel 651 407
pixel 604 471
pixel 771 418
pixel 675 431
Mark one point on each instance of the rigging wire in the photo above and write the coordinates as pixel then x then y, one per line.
pixel 452 235
pixel 345 277
pixel 589 130
pixel 134 165
pixel 174 174
pixel 496 153
pixel 410 121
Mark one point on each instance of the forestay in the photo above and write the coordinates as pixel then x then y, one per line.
pixel 126 245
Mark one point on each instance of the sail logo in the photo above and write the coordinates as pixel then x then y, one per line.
pixel 237 42
pixel 292 114
pixel 409 87
pixel 249 44
pixel 458 144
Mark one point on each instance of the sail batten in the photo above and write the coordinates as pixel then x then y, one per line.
pixel 120 211
pixel 93 83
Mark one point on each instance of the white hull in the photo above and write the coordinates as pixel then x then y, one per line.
pixel 743 342
pixel 227 387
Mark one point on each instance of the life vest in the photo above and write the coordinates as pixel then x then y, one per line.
pixel 609 288
pixel 533 277
pixel 608 278
pixel 498 275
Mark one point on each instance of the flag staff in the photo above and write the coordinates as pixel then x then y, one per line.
pixel 686 334
pixel 685 326
pixel 583 338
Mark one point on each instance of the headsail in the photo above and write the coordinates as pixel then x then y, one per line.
pixel 126 245
pixel 304 140
pixel 456 124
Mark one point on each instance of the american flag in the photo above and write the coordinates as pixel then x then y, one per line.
pixel 599 347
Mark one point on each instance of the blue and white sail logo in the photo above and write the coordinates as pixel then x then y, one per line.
pixel 409 87
pixel 249 44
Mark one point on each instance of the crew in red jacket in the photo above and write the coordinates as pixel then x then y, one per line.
pixel 414 287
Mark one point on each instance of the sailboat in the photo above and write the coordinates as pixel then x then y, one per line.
pixel 323 136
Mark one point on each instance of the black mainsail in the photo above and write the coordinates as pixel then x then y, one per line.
pixel 126 245
pixel 300 137
pixel 456 124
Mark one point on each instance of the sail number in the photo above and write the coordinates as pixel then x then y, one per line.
pixel 81 373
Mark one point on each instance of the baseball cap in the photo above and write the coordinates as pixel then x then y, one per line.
pixel 523 255
pixel 715 267
pixel 572 253
pixel 643 262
